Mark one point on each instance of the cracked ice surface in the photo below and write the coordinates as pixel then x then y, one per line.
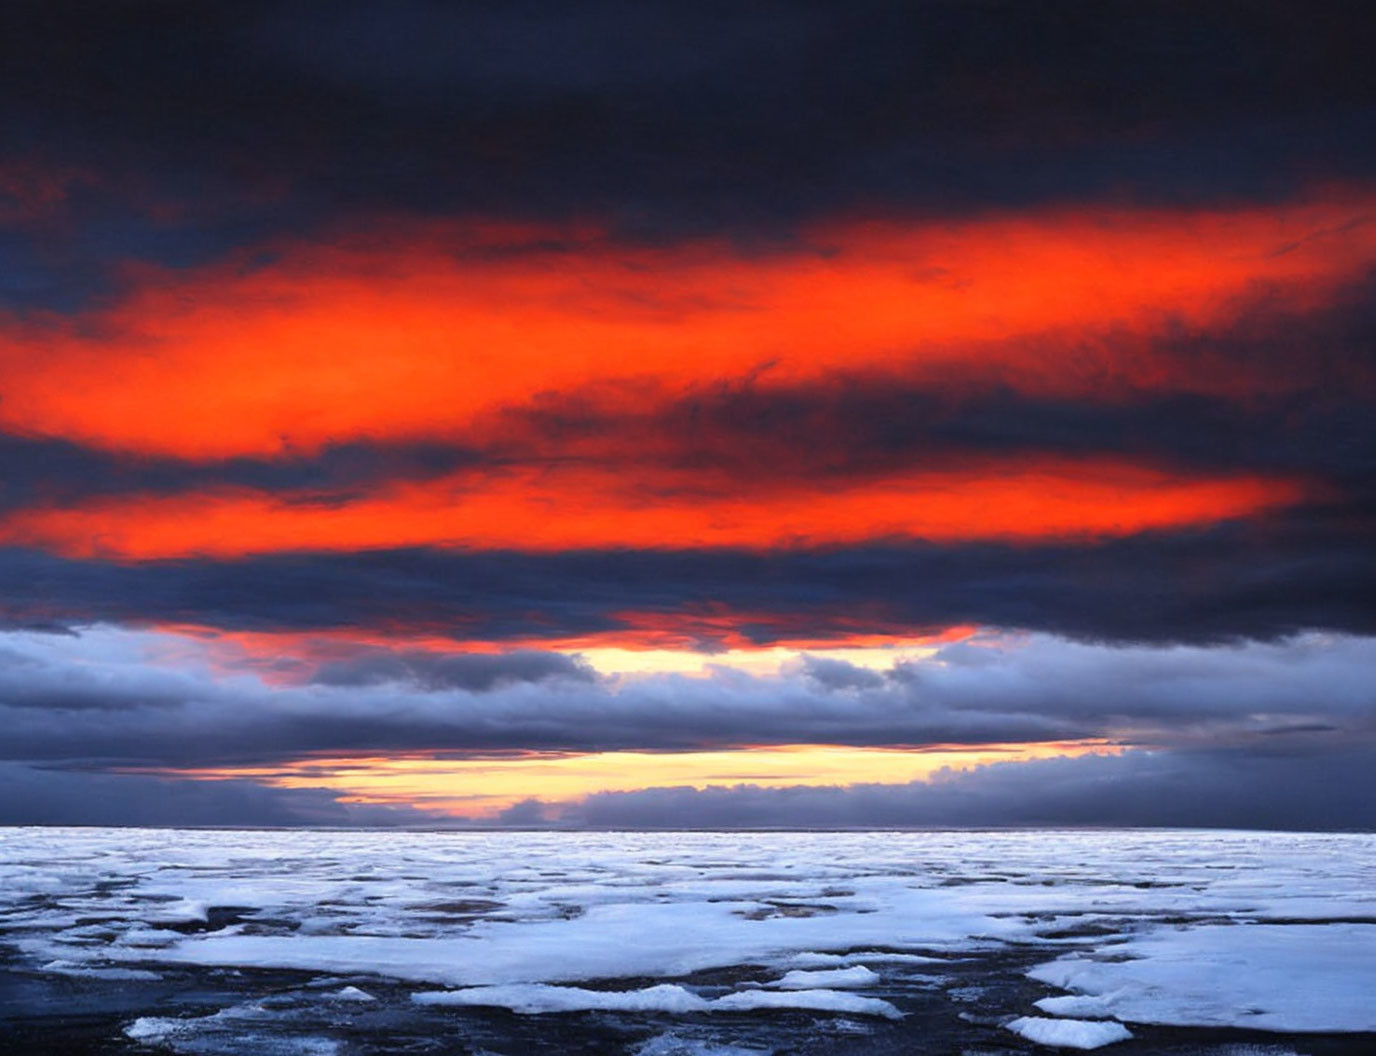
pixel 1265 931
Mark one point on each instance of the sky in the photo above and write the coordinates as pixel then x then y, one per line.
pixel 754 414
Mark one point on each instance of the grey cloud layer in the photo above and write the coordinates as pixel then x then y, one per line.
pixel 1278 734
pixel 61 699
pixel 1332 788
pixel 439 671
pixel 31 795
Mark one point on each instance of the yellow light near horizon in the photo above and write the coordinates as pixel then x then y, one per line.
pixel 768 660
pixel 482 787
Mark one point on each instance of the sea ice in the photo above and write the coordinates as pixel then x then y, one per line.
pixel 229 1032
pixel 667 997
pixel 78 970
pixel 539 998
pixel 350 993
pixel 836 978
pixel 1277 977
pixel 1077 1005
pixel 812 1000
pixel 839 960
pixel 1069 1033
pixel 1254 930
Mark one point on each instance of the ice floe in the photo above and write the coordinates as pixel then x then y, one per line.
pixel 811 1000
pixel 844 978
pixel 1276 977
pixel 86 971
pixel 539 998
pixel 1069 1033
pixel 245 1030
pixel 666 998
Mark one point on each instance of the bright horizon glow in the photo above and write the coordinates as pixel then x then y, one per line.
pixel 631 653
pixel 479 788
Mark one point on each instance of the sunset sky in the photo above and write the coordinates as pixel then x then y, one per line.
pixel 935 413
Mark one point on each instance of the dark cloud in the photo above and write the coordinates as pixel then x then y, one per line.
pixel 1313 790
pixel 437 671
pixel 838 674
pixel 190 133
pixel 1271 390
pixel 226 724
pixel 1310 568
pixel 43 796
pixel 56 472
pixel 526 813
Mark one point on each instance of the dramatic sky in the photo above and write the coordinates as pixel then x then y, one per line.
pixel 888 413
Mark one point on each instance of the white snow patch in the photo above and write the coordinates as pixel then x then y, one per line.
pixel 834 978
pixel 841 960
pixel 86 971
pixel 1069 1033
pixel 350 993
pixel 1081 1006
pixel 537 998
pixel 156 1029
pixel 154 938
pixel 635 937
pixel 228 1032
pixel 811 1000
pixel 1285 978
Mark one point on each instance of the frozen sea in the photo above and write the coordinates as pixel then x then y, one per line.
pixel 329 943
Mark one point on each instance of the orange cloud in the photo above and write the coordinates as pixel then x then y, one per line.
pixel 574 507
pixel 421 333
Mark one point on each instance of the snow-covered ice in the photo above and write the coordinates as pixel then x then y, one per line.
pixel 845 978
pixel 539 998
pixel 812 1000
pixel 350 993
pixel 1069 1033
pixel 1276 977
pixel 1263 931
pixel 666 997
pixel 245 1030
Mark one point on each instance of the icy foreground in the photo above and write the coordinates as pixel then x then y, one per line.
pixel 1257 931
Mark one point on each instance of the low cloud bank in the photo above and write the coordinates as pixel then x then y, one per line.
pixel 1259 734
pixel 1319 790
